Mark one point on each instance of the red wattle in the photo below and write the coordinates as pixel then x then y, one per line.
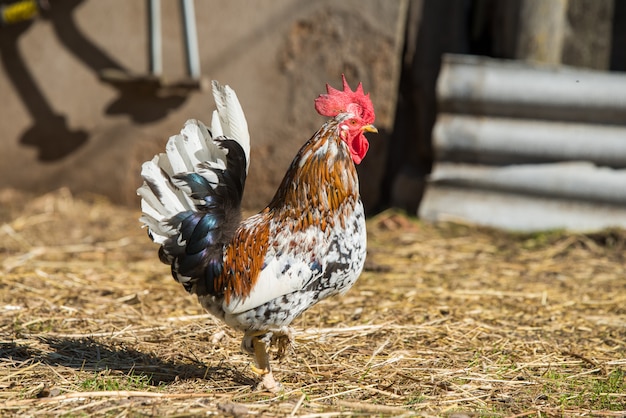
pixel 358 148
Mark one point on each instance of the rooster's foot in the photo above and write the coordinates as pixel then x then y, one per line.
pixel 269 384
pixel 267 379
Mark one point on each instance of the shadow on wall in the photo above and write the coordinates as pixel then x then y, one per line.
pixel 140 98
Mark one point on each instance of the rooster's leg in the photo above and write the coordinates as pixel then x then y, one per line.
pixel 263 365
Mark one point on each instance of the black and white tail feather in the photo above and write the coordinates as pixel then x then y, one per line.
pixel 191 194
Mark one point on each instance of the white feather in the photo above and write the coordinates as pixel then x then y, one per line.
pixel 176 160
pixel 274 284
pixel 216 125
pixel 191 151
pixel 150 204
pixel 231 117
pixel 160 230
pixel 170 201
pixel 194 144
pixel 209 152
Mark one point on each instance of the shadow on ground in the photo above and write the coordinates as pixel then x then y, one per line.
pixel 87 354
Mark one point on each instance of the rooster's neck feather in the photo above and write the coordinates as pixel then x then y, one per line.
pixel 321 178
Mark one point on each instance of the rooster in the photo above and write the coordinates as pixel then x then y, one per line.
pixel 309 243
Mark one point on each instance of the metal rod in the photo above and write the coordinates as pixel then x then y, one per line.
pixel 191 39
pixel 156 56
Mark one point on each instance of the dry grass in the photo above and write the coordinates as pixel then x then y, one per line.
pixel 449 320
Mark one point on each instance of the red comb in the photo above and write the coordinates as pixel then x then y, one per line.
pixel 337 101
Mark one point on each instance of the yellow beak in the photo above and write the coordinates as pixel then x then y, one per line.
pixel 370 128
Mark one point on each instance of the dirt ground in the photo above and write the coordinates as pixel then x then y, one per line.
pixel 447 320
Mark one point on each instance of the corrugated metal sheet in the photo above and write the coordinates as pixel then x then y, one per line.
pixel 528 148
pixel 517 212
pixel 582 181
pixel 485 86
pixel 493 140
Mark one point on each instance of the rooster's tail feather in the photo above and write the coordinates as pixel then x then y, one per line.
pixel 228 119
pixel 192 193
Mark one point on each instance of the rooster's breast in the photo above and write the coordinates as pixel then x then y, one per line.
pixel 304 264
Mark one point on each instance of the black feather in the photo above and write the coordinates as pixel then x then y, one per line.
pixel 199 185
pixel 204 234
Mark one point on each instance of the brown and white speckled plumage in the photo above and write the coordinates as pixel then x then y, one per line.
pixel 260 274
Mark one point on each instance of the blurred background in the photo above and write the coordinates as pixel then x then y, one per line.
pixel 509 113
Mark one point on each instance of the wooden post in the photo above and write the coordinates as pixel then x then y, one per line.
pixel 542 26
